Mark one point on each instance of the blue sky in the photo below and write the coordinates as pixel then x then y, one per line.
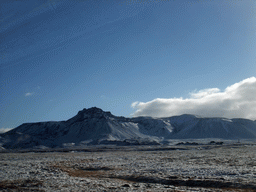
pixel 58 57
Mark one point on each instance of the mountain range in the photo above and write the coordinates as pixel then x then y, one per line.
pixel 94 126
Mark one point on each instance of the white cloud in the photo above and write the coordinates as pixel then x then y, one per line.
pixel 204 92
pixel 29 94
pixel 236 101
pixel 3 130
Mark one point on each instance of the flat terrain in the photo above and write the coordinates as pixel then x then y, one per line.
pixel 230 167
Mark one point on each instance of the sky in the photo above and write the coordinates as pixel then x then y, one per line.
pixel 131 57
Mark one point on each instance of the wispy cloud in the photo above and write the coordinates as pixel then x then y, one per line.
pixel 237 100
pixel 29 94
pixel 3 130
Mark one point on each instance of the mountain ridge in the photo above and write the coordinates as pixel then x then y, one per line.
pixel 95 126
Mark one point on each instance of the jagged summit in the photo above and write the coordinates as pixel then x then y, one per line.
pixel 95 111
pixel 92 112
pixel 96 126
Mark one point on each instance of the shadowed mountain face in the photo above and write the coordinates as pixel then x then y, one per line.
pixel 94 126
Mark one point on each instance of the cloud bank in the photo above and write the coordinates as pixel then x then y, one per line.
pixel 236 101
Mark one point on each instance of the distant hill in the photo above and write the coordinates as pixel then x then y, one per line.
pixel 94 126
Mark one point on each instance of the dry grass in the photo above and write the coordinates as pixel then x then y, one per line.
pixel 21 185
pixel 222 169
pixel 76 171
pixel 176 181
pixel 106 172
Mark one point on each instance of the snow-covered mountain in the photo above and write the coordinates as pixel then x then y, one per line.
pixel 94 126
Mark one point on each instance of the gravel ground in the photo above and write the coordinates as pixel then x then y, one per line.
pixel 204 168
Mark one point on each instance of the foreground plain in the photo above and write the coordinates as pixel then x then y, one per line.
pixel 228 167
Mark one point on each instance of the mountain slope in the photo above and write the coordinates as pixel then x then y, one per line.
pixel 215 128
pixel 96 126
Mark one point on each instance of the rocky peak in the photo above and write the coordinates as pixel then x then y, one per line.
pixel 90 113
pixel 93 112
